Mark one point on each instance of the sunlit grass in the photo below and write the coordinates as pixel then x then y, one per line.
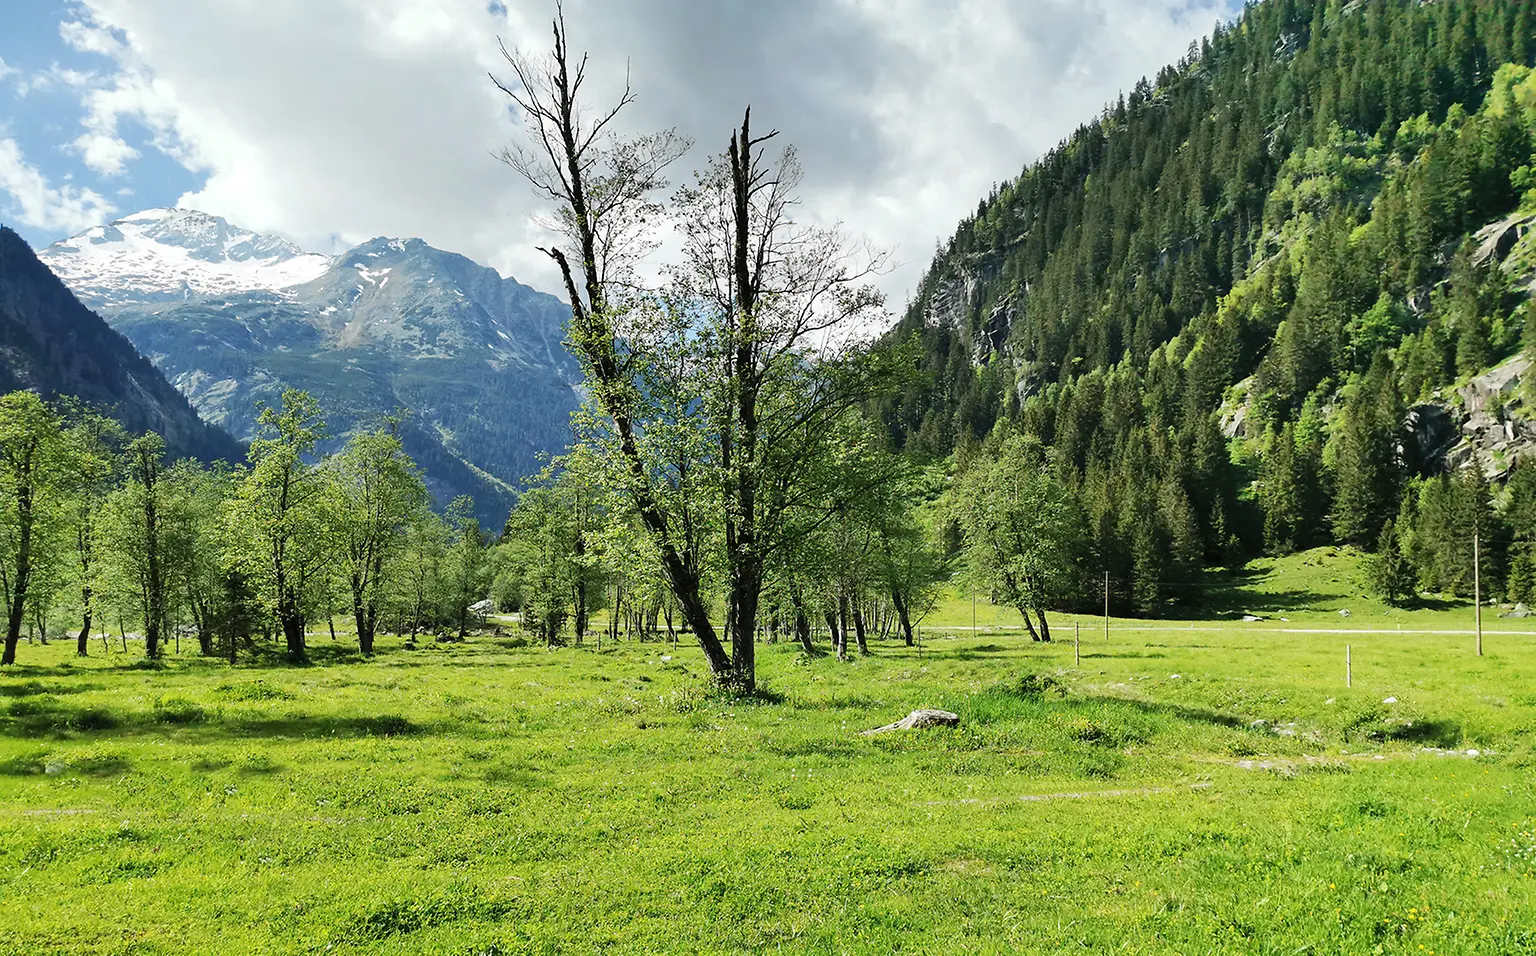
pixel 1182 791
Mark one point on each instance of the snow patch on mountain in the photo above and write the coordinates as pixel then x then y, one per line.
pixel 166 255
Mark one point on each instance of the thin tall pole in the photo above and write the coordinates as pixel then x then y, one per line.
pixel 1477 590
pixel 1106 605
pixel 1349 668
pixel 1077 643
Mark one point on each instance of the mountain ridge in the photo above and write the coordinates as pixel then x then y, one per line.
pixel 233 317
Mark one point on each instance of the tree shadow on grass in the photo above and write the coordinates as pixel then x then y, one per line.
pixel 1183 712
pixel 983 652
pixel 34 688
pixel 47 717
pixel 1239 600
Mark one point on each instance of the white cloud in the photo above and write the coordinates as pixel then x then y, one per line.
pixel 53 78
pixel 352 118
pixel 5 68
pixel 89 37
pixel 33 202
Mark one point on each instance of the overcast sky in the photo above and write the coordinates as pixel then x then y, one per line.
pixel 333 121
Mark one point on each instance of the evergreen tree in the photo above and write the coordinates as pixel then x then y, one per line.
pixel 1388 571
pixel 1366 465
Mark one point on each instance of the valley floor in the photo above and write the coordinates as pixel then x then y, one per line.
pixel 1211 790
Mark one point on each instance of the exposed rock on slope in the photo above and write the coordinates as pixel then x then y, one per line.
pixel 1494 429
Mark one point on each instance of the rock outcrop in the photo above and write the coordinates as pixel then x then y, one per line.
pixel 1484 425
pixel 1496 240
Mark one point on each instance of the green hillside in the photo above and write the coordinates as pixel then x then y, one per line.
pixel 1218 303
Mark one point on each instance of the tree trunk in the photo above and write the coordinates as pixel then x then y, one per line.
pixel 85 627
pixel 1029 625
pixel 580 595
pixel 292 622
pixel 361 619
pixel 842 627
pixel 23 573
pixel 902 616
pixel 742 625
pixel 858 631
pixel 802 623
pixel 1045 629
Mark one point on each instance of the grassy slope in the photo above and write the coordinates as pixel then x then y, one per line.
pixel 1308 589
pixel 489 798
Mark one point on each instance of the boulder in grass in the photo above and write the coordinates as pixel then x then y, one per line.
pixel 919 718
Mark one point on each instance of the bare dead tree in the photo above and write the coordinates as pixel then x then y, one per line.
pixel 719 398
pixel 603 187
pixel 788 301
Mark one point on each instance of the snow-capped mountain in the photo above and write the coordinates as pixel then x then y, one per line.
pixel 233 317
pixel 165 255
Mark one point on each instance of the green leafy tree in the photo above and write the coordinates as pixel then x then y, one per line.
pixel 33 484
pixel 466 572
pixel 94 441
pixel 193 532
pixel 377 491
pixel 540 561
pixel 1022 531
pixel 142 541
pixel 275 529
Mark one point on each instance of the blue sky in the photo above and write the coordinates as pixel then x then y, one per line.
pixel 330 122
pixel 42 113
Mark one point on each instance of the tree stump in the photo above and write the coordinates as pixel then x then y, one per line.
pixel 919 718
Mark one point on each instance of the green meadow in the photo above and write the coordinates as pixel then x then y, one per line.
pixel 1201 786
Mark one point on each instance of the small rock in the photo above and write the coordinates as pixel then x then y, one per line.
pixel 1259 725
pixel 919 718
pixel 1473 753
pixel 1249 618
pixel 1173 676
pixel 1389 700
pixel 1344 612
pixel 666 658
pixel 1329 701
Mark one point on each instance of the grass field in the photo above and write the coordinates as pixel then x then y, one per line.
pixel 492 797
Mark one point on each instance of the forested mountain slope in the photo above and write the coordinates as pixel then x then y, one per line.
pixel 51 343
pixel 1216 303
